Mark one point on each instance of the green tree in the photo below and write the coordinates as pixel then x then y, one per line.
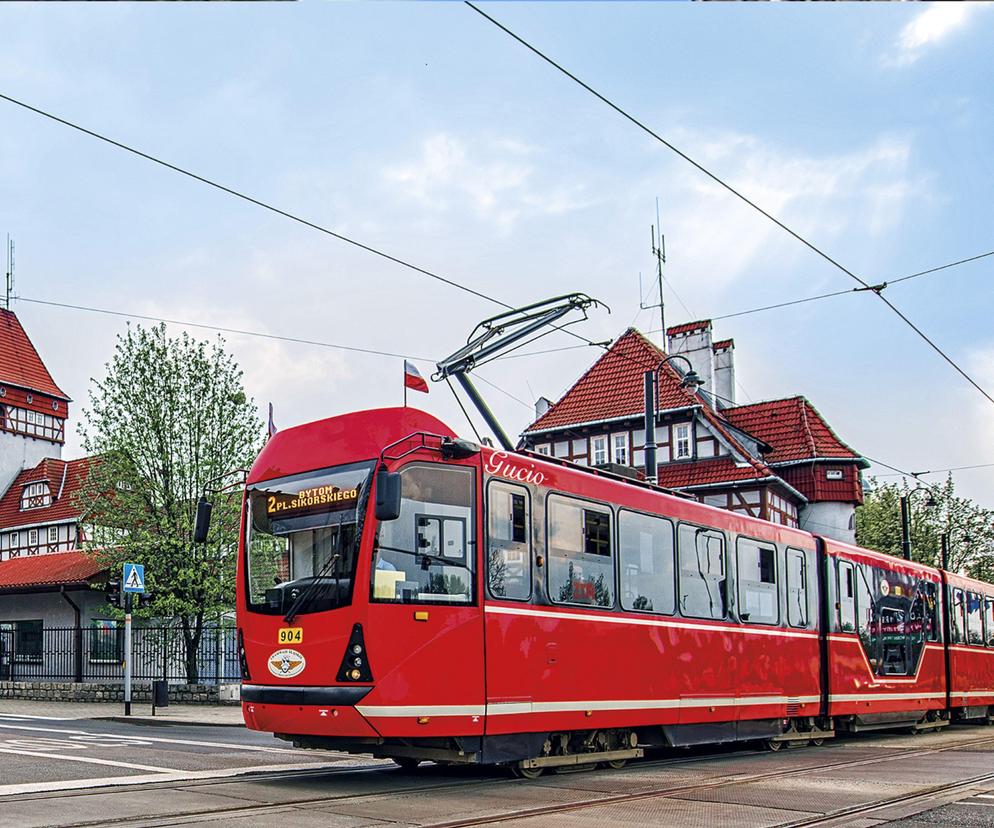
pixel 167 423
pixel 935 511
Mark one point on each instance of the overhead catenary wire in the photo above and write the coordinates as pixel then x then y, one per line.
pixel 737 193
pixel 258 334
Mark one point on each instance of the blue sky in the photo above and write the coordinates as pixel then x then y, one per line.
pixel 423 130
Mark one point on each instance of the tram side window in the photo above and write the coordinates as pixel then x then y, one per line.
pixel 759 598
pixel 928 593
pixel 797 588
pixel 509 553
pixel 958 617
pixel 702 572
pixel 975 618
pixel 645 549
pixel 581 563
pixel 847 597
pixel 989 614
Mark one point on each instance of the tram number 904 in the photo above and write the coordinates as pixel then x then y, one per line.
pixel 290 635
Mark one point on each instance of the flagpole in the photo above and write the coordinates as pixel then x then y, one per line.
pixel 404 369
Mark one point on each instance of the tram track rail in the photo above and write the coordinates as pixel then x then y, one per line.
pixel 288 805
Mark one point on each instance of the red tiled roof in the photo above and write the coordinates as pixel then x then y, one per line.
pixel 614 386
pixel 707 472
pixel 721 345
pixel 687 327
pixel 64 475
pixel 792 427
pixel 19 361
pixel 48 570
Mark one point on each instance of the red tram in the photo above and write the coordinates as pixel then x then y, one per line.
pixel 408 594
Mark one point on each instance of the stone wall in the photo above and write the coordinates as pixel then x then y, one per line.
pixel 93 692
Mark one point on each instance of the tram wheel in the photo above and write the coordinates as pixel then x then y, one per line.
pixel 526 773
pixel 773 745
pixel 406 763
pixel 616 764
pixel 817 742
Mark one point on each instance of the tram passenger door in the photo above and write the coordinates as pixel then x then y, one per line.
pixel 424 632
pixel 512 643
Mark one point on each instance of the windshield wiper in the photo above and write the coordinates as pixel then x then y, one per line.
pixel 308 592
pixel 426 557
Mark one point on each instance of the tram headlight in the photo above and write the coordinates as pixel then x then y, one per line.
pixel 355 661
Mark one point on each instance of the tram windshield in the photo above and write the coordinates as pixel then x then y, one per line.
pixel 302 540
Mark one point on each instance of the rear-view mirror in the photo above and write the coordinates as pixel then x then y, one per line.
pixel 387 495
pixel 203 524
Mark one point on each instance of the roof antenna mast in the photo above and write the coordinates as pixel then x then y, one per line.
pixel 10 270
pixel 659 251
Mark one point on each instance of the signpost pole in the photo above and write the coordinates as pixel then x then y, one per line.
pixel 127 653
pixel 132 583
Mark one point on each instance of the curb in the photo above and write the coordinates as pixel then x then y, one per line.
pixel 156 721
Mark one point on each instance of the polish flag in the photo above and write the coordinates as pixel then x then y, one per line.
pixel 272 425
pixel 413 379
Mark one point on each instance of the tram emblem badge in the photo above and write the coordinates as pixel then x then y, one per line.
pixel 286 663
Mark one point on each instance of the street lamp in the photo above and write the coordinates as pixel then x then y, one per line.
pixel 689 380
pixel 906 517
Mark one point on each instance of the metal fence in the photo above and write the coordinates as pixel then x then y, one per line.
pixel 32 652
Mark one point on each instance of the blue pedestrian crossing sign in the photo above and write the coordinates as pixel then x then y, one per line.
pixel 134 578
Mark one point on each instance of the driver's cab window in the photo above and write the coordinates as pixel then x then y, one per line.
pixel 427 553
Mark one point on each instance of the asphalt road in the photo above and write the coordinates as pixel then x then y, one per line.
pixel 92 772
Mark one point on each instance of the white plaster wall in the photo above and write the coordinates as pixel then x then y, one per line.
pixel 18 452
pixel 52 609
pixel 832 519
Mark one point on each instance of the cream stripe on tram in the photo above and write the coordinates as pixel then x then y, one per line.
pixel 576 706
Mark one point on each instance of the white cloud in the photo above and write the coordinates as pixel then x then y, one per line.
pixel 864 191
pixel 495 179
pixel 934 24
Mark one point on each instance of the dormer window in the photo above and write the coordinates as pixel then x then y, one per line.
pixel 681 442
pixel 35 496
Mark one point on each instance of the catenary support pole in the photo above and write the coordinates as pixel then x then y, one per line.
pixel 905 528
pixel 650 426
pixel 944 540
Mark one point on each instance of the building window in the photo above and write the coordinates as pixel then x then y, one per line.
pixel 542 449
pixel 15 540
pixel 702 572
pixel 645 550
pixel 619 449
pixel 53 535
pixel 35 496
pixel 32 537
pixel 681 439
pixel 508 552
pixel 581 565
pixel 27 641
pixel 106 642
pixel 758 594
pixel 598 450
pixel 562 449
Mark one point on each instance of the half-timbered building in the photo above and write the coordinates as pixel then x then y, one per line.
pixel 777 460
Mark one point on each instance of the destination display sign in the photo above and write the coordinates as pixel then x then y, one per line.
pixel 309 501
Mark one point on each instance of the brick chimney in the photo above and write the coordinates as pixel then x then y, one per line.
pixel 693 340
pixel 724 372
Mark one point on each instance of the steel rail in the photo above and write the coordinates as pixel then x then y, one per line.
pixel 288 805
pixel 660 793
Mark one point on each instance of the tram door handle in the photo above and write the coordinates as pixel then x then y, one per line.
pixel 551 652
